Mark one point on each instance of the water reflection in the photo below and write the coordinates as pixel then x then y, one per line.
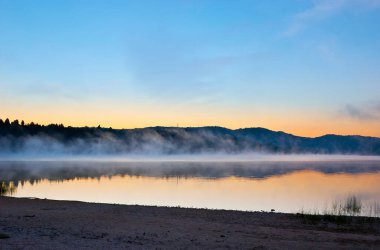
pixel 64 170
pixel 284 186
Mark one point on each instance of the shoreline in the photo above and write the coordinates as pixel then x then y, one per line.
pixel 51 224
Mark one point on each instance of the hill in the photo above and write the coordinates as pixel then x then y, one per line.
pixel 20 138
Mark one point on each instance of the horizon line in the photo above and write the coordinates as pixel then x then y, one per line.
pixel 179 127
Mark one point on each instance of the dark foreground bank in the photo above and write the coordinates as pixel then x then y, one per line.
pixel 45 224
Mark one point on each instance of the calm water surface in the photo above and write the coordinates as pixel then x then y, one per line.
pixel 284 186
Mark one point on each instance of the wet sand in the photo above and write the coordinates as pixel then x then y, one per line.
pixel 46 224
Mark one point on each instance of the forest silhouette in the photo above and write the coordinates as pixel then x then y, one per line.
pixel 56 139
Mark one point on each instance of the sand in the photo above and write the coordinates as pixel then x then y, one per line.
pixel 46 224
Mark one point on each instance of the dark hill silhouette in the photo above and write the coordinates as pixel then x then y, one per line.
pixel 21 138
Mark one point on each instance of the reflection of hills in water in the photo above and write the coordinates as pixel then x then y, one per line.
pixel 14 173
pixel 36 170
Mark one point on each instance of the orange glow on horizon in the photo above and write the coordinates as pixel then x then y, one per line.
pixel 128 117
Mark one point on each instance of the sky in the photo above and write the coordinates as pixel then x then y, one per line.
pixel 306 67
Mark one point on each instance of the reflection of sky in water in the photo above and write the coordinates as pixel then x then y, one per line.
pixel 284 186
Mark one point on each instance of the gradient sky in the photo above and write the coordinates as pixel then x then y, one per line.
pixel 307 67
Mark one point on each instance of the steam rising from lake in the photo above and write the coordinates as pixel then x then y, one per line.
pixel 54 140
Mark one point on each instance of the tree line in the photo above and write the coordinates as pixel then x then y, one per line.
pixel 18 128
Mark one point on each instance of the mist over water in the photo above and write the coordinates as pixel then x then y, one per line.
pixel 200 157
pixel 33 140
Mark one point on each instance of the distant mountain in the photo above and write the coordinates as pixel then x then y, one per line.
pixel 16 138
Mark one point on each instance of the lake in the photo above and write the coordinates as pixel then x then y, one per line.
pixel 285 186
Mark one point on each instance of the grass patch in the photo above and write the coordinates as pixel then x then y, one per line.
pixel 7 188
pixel 347 215
pixel 342 223
pixel 336 219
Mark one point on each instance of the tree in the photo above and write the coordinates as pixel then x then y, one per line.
pixel 15 122
pixel 22 123
pixel 7 123
pixel 1 122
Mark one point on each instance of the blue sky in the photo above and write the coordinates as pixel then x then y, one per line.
pixel 303 66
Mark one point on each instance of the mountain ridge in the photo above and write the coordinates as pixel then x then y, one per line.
pixel 16 138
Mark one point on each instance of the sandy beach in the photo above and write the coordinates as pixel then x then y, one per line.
pixel 46 224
